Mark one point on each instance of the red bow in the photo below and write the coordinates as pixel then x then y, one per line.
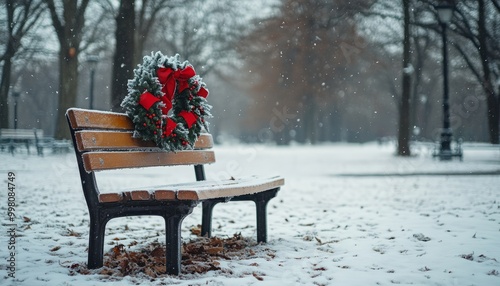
pixel 170 78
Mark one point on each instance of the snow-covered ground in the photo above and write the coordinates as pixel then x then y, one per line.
pixel 348 215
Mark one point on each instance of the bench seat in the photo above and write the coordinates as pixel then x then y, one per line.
pixel 197 191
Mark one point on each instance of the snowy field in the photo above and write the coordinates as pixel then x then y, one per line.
pixel 348 215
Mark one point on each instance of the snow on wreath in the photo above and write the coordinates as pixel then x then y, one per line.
pixel 167 102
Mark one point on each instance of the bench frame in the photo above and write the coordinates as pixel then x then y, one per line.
pixel 173 211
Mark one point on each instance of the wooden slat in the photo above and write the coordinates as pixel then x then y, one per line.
pixel 98 140
pixel 162 195
pixel 229 188
pixel 110 198
pixel 88 140
pixel 97 161
pixel 139 195
pixel 82 118
pixel 205 141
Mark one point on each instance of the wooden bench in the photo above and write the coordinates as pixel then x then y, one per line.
pixel 12 138
pixel 103 141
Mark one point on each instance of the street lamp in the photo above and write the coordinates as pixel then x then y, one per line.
pixel 92 60
pixel 445 13
pixel 15 94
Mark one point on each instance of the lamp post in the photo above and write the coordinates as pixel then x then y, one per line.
pixel 15 94
pixel 445 13
pixel 92 61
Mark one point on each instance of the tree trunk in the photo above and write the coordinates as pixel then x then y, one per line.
pixel 69 34
pixel 6 69
pixel 4 93
pixel 492 99
pixel 68 86
pixel 123 61
pixel 404 108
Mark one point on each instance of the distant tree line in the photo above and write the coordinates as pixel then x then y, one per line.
pixel 292 71
pixel 336 67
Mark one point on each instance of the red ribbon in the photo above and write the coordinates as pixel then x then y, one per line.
pixel 203 92
pixel 170 126
pixel 170 78
pixel 189 117
pixel 147 100
pixel 168 105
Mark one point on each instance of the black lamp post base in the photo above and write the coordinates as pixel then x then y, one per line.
pixel 445 152
pixel 447 155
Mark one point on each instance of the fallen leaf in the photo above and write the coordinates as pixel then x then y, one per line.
pixel 424 269
pixel 214 250
pixel 158 252
pixel 469 256
pixel 70 232
pixel 421 237
pixel 260 278
pixel 196 230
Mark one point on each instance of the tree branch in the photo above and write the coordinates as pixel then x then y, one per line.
pixel 58 26
pixel 468 61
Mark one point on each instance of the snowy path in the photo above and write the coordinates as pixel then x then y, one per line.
pixel 348 215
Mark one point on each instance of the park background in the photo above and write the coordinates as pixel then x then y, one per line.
pixel 330 71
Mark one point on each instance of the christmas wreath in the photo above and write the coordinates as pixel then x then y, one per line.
pixel 167 102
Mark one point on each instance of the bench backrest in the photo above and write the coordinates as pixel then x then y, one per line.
pixel 104 141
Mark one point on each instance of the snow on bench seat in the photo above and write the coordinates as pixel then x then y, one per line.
pixel 196 191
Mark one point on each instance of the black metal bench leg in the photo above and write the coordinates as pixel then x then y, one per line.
pixel 261 200
pixel 96 243
pixel 173 243
pixel 206 218
pixel 261 210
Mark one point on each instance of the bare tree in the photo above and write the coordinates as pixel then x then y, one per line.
pixel 404 110
pixel 204 32
pixel 479 23
pixel 302 56
pixel 68 28
pixel 22 16
pixel 146 18
pixel 134 26
pixel 124 52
